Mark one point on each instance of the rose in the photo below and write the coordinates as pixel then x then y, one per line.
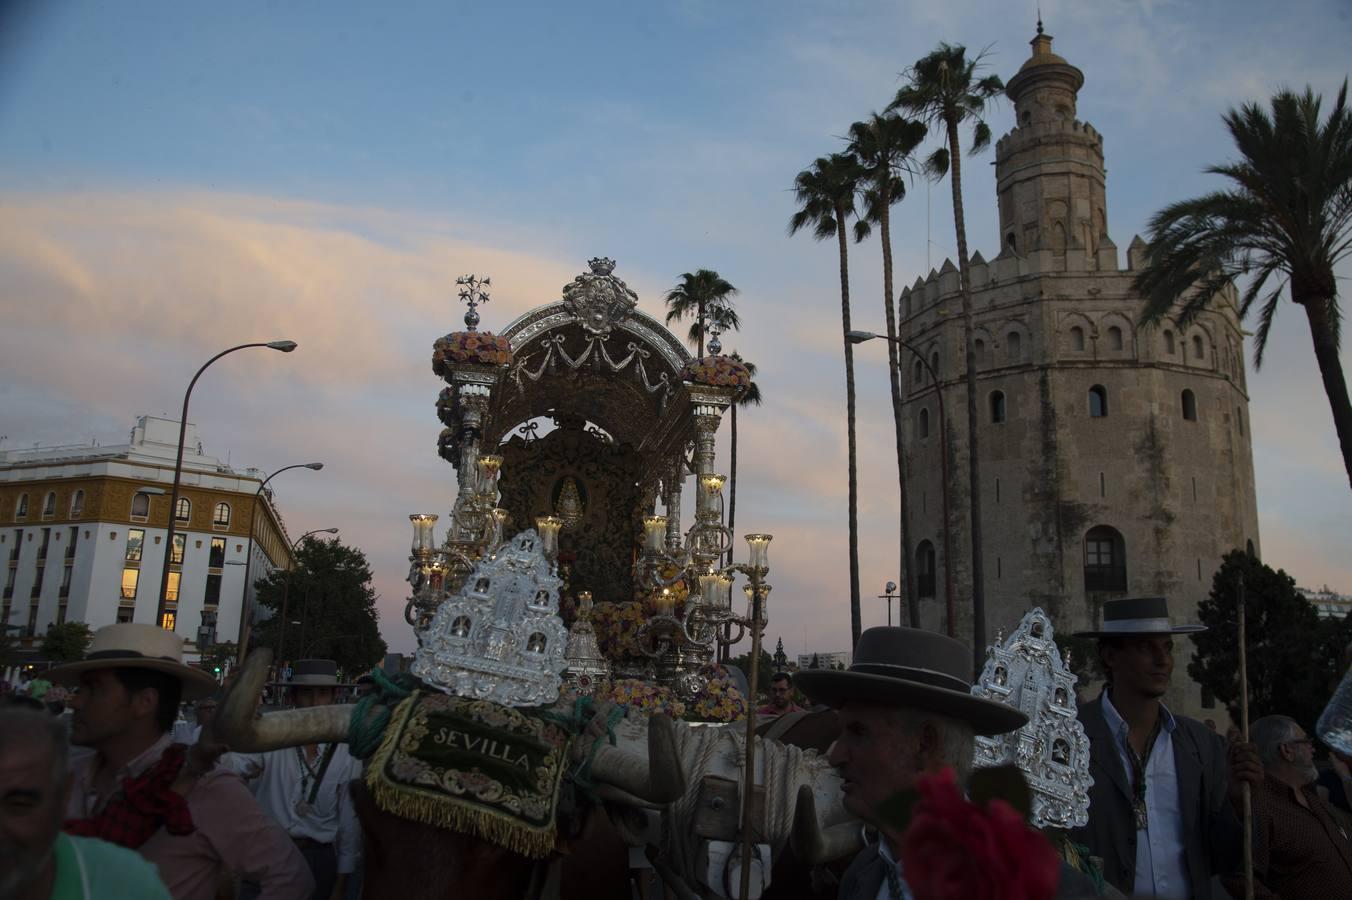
pixel 956 850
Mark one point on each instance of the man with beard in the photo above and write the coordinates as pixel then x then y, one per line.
pixel 139 789
pixel 1163 808
pixel 1299 849
pixel 37 861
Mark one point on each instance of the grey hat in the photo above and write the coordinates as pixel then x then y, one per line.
pixel 1138 615
pixel 914 669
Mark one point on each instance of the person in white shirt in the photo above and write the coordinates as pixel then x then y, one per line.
pixel 305 789
pixel 188 732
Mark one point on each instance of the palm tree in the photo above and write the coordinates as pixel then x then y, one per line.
pixel 884 145
pixel 826 197
pixel 707 297
pixel 752 397
pixel 944 89
pixel 1288 214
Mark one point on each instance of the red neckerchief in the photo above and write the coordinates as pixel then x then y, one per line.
pixel 142 806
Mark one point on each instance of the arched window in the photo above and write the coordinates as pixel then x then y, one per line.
pixel 1248 547
pixel 1169 343
pixel 979 351
pixel 1010 241
pixel 1239 420
pixel 220 517
pixel 1077 339
pixel 140 505
pixel 919 378
pixel 1198 348
pixel 183 512
pixel 924 422
pixel 1105 560
pixel 1114 338
pixel 77 504
pixel 997 407
pixel 21 508
pixel 1098 402
pixel 1014 346
pixel 924 569
pixel 49 505
pixel 1189 406
pixel 934 363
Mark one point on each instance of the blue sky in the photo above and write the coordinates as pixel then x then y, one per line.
pixel 176 176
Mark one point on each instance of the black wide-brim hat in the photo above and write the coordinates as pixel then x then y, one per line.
pixel 1138 616
pixel 911 669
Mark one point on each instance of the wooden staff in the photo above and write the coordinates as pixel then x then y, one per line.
pixel 1246 790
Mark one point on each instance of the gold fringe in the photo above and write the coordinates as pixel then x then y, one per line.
pixel 407 802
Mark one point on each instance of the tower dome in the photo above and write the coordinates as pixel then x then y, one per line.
pixel 1045 87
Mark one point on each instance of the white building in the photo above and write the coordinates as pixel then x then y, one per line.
pixel 1329 603
pixel 82 531
pixel 833 659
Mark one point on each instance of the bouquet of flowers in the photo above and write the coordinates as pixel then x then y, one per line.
pixel 723 371
pixel 479 347
pixel 982 848
pixel 616 626
pixel 719 701
pixel 645 698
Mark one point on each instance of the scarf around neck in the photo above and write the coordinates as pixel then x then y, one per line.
pixel 145 803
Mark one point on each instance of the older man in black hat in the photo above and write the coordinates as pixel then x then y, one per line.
pixel 906 709
pixel 1162 811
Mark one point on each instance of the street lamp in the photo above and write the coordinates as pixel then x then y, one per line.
pixel 913 601
pixel 245 607
pixel 283 346
pixel 888 594
pixel 286 588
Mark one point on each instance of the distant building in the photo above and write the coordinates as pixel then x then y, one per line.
pixel 1328 603
pixel 82 532
pixel 833 659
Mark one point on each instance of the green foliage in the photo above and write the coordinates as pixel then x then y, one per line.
pixel 884 145
pixel 706 297
pixel 1294 657
pixel 945 88
pixel 826 194
pixel 767 669
pixel 66 642
pixel 329 592
pixel 220 657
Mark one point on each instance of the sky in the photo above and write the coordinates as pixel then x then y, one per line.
pixel 177 178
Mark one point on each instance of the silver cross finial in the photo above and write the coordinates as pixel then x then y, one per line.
pixel 473 291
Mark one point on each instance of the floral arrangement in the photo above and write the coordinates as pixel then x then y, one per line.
pixel 954 848
pixel 446 406
pixel 719 701
pixel 616 626
pixel 642 697
pixel 721 371
pixel 481 347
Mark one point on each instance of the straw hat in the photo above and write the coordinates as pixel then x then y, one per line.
pixel 131 646
pixel 914 669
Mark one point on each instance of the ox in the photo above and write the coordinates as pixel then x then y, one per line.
pixel 667 787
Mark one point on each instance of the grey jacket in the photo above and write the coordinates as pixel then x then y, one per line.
pixel 1212 833
pixel 866 875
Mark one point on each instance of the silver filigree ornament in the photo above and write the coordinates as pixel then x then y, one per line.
pixel 598 300
pixel 500 637
pixel 1026 672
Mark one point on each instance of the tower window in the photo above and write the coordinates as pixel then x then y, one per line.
pixel 934 363
pixel 924 422
pixel 1098 402
pixel 140 506
pixel 1169 343
pixel 1105 560
pixel 1114 338
pixel 1239 420
pixel 979 351
pixel 1198 348
pixel 997 407
pixel 1077 339
pixel 919 378
pixel 21 508
pixel 77 504
pixel 1189 406
pixel 1014 346
pixel 221 516
pixel 924 570
pixel 183 512
pixel 1012 242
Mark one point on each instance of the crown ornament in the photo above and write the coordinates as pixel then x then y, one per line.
pixel 597 300
pixel 1026 671
pixel 500 637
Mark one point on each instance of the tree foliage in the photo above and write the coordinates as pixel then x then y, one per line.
pixel 66 642
pixel 767 669
pixel 329 593
pixel 220 656
pixel 706 298
pixel 1294 657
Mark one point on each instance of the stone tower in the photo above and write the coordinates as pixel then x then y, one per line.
pixel 1116 460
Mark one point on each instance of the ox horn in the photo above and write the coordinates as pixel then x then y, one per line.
pixel 240 728
pixel 659 779
pixel 816 845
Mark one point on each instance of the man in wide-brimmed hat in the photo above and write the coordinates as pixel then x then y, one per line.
pixel 906 709
pixel 1162 811
pixel 305 789
pixel 139 789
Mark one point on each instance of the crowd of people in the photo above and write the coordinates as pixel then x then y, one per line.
pixel 105 792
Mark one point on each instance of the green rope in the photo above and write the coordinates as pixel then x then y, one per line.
pixel 372 712
pixel 584 708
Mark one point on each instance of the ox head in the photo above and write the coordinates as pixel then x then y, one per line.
pixel 655 778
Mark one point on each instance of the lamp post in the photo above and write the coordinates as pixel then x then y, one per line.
pixel 888 594
pixel 245 607
pixel 286 588
pixel 913 601
pixel 283 346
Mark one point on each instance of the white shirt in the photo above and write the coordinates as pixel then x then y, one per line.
pixel 885 892
pixel 276 779
pixel 1161 866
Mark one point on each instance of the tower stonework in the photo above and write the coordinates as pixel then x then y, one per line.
pixel 1116 460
